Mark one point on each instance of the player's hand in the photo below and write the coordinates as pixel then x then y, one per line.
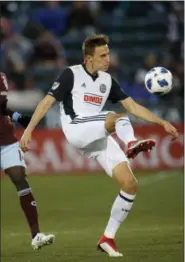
pixel 25 140
pixel 170 130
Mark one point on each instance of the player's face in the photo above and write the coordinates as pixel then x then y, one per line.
pixel 101 58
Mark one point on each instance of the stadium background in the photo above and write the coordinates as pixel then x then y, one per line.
pixel 41 38
pixel 38 39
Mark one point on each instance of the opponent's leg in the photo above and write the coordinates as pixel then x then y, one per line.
pixel 27 201
pixel 28 205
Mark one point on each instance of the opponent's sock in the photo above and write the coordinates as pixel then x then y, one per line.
pixel 124 130
pixel 120 210
pixel 29 208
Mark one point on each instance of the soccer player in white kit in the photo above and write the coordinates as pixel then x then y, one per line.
pixel 82 91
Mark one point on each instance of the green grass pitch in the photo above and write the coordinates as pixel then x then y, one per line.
pixel 76 209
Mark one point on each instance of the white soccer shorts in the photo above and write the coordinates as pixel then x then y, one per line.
pixel 89 136
pixel 10 156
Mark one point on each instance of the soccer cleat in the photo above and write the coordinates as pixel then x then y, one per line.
pixel 135 147
pixel 108 246
pixel 41 240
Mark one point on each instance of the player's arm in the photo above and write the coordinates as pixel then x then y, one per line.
pixel 140 111
pixel 40 111
pixel 143 113
pixel 57 92
pixel 137 110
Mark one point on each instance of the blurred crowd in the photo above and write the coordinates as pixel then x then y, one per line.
pixel 33 34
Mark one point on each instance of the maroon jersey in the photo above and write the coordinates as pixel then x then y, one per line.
pixel 7 135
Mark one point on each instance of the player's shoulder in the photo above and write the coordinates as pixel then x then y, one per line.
pixel 103 74
pixel 70 71
pixel 75 68
pixel 65 74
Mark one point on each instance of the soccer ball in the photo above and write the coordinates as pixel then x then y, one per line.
pixel 158 81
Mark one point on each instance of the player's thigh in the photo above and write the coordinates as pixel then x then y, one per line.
pixel 115 163
pixel 12 155
pixel 81 133
pixel 111 155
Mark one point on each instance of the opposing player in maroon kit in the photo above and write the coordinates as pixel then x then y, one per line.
pixel 12 162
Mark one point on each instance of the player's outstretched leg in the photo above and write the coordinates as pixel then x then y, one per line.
pixel 125 132
pixel 29 207
pixel 120 209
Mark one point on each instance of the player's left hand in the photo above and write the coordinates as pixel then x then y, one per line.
pixel 24 120
pixel 25 140
pixel 170 130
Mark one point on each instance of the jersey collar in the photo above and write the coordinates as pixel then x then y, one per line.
pixel 93 76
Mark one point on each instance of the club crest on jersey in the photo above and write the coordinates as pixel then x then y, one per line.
pixel 93 99
pixel 103 88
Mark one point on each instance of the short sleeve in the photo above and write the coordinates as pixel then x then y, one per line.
pixel 116 93
pixel 62 86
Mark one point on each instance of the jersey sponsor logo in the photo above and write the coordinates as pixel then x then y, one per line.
pixel 93 99
pixel 103 88
pixel 55 85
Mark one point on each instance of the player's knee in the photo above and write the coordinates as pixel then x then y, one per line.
pixel 18 177
pixel 130 185
pixel 125 178
pixel 121 115
pixel 111 120
pixel 20 182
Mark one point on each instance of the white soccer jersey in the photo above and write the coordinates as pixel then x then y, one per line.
pixel 84 94
pixel 82 97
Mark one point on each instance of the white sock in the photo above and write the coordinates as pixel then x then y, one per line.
pixel 124 130
pixel 120 210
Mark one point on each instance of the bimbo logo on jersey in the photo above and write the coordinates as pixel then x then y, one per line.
pixel 93 99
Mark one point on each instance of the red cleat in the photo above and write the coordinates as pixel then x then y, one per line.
pixel 108 246
pixel 135 147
